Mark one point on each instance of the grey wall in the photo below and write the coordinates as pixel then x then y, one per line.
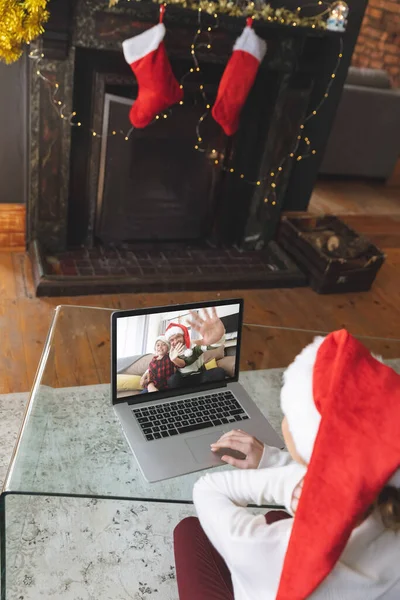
pixel 13 132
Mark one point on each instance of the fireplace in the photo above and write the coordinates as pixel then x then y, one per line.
pixel 102 207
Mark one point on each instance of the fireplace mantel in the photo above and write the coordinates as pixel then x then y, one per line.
pixel 58 34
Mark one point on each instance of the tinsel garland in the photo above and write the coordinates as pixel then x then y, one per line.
pixel 257 10
pixel 20 22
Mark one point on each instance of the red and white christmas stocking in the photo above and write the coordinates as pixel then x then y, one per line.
pixel 158 87
pixel 238 78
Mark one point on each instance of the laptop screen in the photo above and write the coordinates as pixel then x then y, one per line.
pixel 172 350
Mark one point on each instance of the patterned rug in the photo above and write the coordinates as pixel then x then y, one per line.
pixel 89 549
pixel 11 412
pixel 84 549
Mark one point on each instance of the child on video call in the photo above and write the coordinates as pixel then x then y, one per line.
pixel 161 368
pixel 339 482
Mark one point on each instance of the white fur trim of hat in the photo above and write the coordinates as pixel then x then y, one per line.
pixel 173 331
pixel 297 403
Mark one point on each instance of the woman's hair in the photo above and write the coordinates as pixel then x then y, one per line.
pixel 388 506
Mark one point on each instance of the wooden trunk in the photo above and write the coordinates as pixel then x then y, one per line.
pixel 351 267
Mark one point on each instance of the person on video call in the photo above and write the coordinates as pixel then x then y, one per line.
pixel 160 368
pixel 189 360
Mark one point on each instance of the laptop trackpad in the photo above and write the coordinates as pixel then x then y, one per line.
pixel 200 446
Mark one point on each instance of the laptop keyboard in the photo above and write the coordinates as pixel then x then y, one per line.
pixel 181 416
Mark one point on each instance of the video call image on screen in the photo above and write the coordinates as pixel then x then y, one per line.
pixel 176 349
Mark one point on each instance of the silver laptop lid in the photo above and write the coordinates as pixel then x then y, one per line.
pixel 174 350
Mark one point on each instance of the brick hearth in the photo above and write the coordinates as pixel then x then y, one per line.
pixel 135 269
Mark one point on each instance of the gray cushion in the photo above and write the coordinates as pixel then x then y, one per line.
pixel 140 366
pixel 376 78
pixel 124 363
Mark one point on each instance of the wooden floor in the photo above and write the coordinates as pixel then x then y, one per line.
pixel 360 197
pixel 373 210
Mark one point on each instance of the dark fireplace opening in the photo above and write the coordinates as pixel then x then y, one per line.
pixel 155 186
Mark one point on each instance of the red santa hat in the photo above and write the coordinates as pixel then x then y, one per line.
pixel 342 406
pixel 176 329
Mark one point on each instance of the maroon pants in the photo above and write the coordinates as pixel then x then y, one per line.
pixel 201 572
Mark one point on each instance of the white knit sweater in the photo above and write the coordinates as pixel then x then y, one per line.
pixel 369 567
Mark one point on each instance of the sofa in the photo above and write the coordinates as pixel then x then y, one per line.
pixel 131 369
pixel 365 136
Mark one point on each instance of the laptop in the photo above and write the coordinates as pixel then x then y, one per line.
pixel 175 387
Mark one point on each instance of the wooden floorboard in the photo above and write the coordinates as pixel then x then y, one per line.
pixel 339 197
pixel 25 320
pixel 12 225
pixel 13 361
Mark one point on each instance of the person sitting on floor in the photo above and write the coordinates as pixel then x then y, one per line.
pixel 161 368
pixel 340 481
pixel 189 360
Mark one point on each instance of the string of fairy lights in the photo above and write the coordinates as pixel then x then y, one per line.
pixel 275 175
pixel 60 106
pixel 202 41
pixel 196 68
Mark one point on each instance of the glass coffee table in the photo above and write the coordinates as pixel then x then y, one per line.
pixel 78 520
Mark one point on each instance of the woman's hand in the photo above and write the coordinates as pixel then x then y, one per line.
pixel 242 442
